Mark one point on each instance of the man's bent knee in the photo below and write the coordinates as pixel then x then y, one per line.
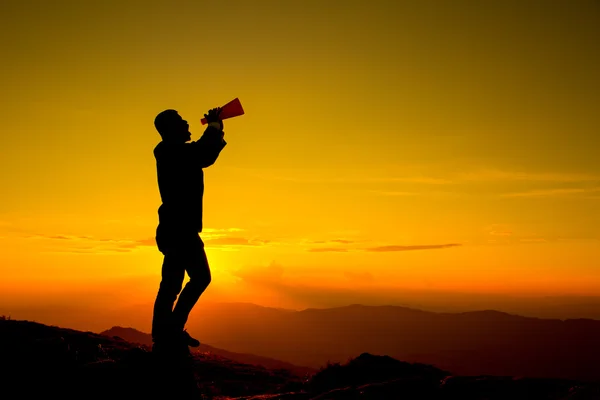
pixel 200 282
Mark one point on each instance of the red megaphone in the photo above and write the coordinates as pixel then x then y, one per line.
pixel 229 110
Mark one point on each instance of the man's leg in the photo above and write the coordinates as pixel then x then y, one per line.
pixel 173 272
pixel 199 273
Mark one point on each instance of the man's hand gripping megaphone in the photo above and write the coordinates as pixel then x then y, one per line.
pixel 213 118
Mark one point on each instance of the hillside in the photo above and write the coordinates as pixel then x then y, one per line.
pixel 134 336
pixel 41 361
pixel 45 360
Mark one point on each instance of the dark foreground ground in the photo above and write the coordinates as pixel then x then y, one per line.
pixel 39 361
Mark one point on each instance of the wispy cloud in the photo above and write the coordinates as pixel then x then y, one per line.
pixel 410 248
pixel 393 193
pixel 533 240
pixel 552 192
pixel 317 176
pixel 504 175
pixel 328 250
pixel 81 244
pixel 89 244
pixel 411 179
pixel 230 237
pixel 336 245
pixel 500 233
pixel 221 230
pixel 382 249
pixel 343 241
pixel 235 241
pixel 420 174
pixel 331 241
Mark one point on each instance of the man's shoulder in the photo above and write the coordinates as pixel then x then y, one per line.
pixel 172 150
pixel 165 147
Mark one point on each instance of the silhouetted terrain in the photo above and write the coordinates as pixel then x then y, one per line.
pixel 49 361
pixel 470 343
pixel 40 361
pixel 134 336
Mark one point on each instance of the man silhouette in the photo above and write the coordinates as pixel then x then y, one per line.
pixel 179 167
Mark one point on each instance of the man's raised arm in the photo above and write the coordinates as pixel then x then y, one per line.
pixel 209 146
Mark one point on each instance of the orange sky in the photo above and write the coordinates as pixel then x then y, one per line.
pixel 386 146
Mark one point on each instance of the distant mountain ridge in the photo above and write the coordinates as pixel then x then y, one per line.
pixel 467 343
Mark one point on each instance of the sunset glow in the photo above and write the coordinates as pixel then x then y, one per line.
pixel 387 149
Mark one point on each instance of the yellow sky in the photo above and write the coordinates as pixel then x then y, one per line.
pixel 411 144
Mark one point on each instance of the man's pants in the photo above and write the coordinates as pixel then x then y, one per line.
pixel 183 252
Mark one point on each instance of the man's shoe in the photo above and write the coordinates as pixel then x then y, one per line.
pixel 190 340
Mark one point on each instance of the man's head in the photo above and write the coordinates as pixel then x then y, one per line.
pixel 172 127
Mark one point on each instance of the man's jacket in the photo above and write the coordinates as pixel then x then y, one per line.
pixel 181 179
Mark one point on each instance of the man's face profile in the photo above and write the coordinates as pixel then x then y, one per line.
pixel 172 127
pixel 180 128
